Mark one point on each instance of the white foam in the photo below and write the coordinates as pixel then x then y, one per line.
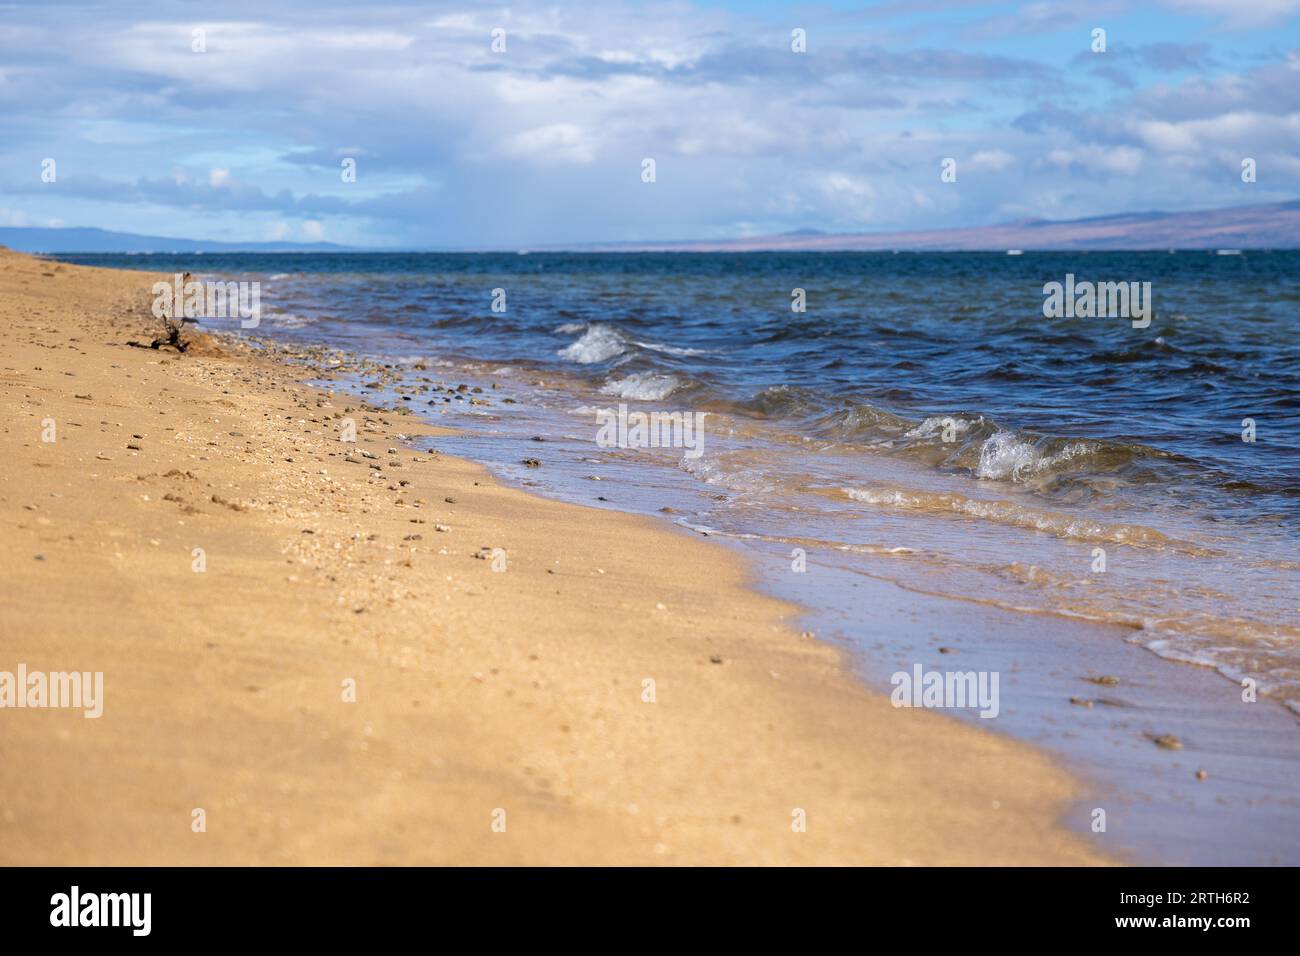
pixel 671 349
pixel 287 320
pixel 711 471
pixel 1005 456
pixel 598 344
pixel 1006 512
pixel 643 386
pixel 936 425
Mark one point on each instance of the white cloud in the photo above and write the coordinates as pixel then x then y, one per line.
pixel 559 142
pixel 989 160
pixel 1167 137
pixel 1243 131
pixel 1118 160
pixel 1239 13
pixel 463 145
pixel 853 195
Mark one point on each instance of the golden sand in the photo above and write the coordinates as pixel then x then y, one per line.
pixel 476 690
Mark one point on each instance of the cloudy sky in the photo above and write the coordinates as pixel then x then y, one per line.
pixel 459 146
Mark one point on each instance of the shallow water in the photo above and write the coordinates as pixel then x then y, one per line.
pixel 921 422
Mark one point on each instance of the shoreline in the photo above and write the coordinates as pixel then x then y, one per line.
pixel 475 691
pixel 1084 691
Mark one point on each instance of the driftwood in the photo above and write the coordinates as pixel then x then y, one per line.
pixel 173 325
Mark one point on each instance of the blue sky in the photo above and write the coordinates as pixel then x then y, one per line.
pixel 460 146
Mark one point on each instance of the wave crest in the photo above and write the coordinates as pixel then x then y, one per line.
pixel 599 343
pixel 642 386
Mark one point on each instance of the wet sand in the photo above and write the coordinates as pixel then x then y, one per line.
pixel 1225 787
pixel 482 697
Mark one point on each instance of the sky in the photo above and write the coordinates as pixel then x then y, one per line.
pixel 234 121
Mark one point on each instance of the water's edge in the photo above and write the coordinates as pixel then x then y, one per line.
pixel 1158 807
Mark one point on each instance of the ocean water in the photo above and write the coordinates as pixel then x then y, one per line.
pixel 921 422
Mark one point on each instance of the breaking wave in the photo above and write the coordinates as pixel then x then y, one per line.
pixel 599 343
pixel 642 386
pixel 1020 516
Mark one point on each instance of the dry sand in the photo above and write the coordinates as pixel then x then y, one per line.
pixel 476 690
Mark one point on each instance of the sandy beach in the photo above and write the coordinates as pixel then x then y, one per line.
pixel 384 649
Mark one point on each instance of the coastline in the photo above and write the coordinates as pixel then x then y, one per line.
pixel 476 691
pixel 1091 694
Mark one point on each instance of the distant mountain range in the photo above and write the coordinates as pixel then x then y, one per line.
pixel 24 239
pixel 1272 226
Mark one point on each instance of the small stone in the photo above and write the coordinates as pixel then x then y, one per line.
pixel 1167 741
pixel 450 500
pixel 532 463
pixel 716 659
pixel 441 527
pixel 1201 775
pixel 1105 679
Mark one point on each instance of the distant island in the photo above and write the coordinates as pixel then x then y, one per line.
pixel 1268 226
pixel 1272 226
pixel 38 240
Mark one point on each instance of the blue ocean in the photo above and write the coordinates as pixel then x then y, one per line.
pixel 913 416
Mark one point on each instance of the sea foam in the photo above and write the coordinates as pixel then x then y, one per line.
pixel 642 386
